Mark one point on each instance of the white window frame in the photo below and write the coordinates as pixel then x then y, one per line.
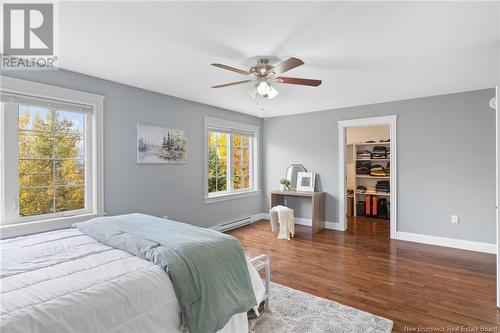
pixel 13 224
pixel 233 126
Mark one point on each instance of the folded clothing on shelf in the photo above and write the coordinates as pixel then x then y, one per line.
pixel 364 189
pixel 379 152
pixel 377 170
pixel 362 167
pixel 361 189
pixel 363 155
pixel 383 186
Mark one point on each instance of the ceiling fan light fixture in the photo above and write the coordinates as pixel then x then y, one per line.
pixel 263 74
pixel 272 92
pixel 263 88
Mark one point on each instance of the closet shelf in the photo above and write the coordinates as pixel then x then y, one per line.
pixel 373 177
pixel 375 193
pixel 369 144
pixel 375 159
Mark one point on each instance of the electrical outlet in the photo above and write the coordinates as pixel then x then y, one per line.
pixel 165 217
pixel 454 219
pixel 285 202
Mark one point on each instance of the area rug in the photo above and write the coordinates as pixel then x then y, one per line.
pixel 294 311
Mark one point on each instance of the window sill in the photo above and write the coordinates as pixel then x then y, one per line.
pixel 26 228
pixel 231 196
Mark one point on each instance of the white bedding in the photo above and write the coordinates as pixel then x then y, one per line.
pixel 65 281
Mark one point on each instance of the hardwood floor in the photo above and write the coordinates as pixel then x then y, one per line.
pixel 412 284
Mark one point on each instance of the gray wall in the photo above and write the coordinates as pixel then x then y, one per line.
pixel 446 157
pixel 445 160
pixel 173 190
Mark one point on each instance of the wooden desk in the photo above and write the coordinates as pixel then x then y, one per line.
pixel 317 205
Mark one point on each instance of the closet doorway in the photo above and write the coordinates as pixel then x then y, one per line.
pixel 367 166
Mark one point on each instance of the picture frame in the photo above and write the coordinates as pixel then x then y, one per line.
pixel 160 145
pixel 306 181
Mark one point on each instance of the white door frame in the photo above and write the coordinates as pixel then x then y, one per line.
pixel 367 122
pixel 497 201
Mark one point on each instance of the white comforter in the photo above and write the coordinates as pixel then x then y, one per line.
pixel 65 281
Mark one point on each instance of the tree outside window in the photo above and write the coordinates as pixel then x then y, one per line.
pixel 51 161
pixel 217 161
pixel 221 146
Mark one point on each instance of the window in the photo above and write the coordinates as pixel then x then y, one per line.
pixel 231 157
pixel 217 161
pixel 51 160
pixel 51 165
pixel 241 153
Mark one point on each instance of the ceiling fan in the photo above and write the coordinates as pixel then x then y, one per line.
pixel 264 74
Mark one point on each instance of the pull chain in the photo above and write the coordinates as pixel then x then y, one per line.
pixel 260 106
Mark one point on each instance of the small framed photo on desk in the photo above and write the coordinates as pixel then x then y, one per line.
pixel 305 181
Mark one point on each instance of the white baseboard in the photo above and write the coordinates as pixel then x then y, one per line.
pixel 328 224
pixel 264 216
pixel 304 221
pixel 261 216
pixel 448 242
pixel 400 235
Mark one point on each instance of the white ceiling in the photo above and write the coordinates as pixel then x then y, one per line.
pixel 364 52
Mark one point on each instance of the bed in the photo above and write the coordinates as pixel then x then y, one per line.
pixel 67 281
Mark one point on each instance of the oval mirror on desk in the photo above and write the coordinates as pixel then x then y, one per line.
pixel 291 174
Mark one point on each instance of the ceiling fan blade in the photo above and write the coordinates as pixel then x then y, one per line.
pixel 296 80
pixel 286 66
pixel 229 68
pixel 230 84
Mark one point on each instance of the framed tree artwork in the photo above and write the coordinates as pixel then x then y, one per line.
pixel 161 145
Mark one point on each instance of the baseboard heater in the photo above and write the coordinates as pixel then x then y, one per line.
pixel 235 224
